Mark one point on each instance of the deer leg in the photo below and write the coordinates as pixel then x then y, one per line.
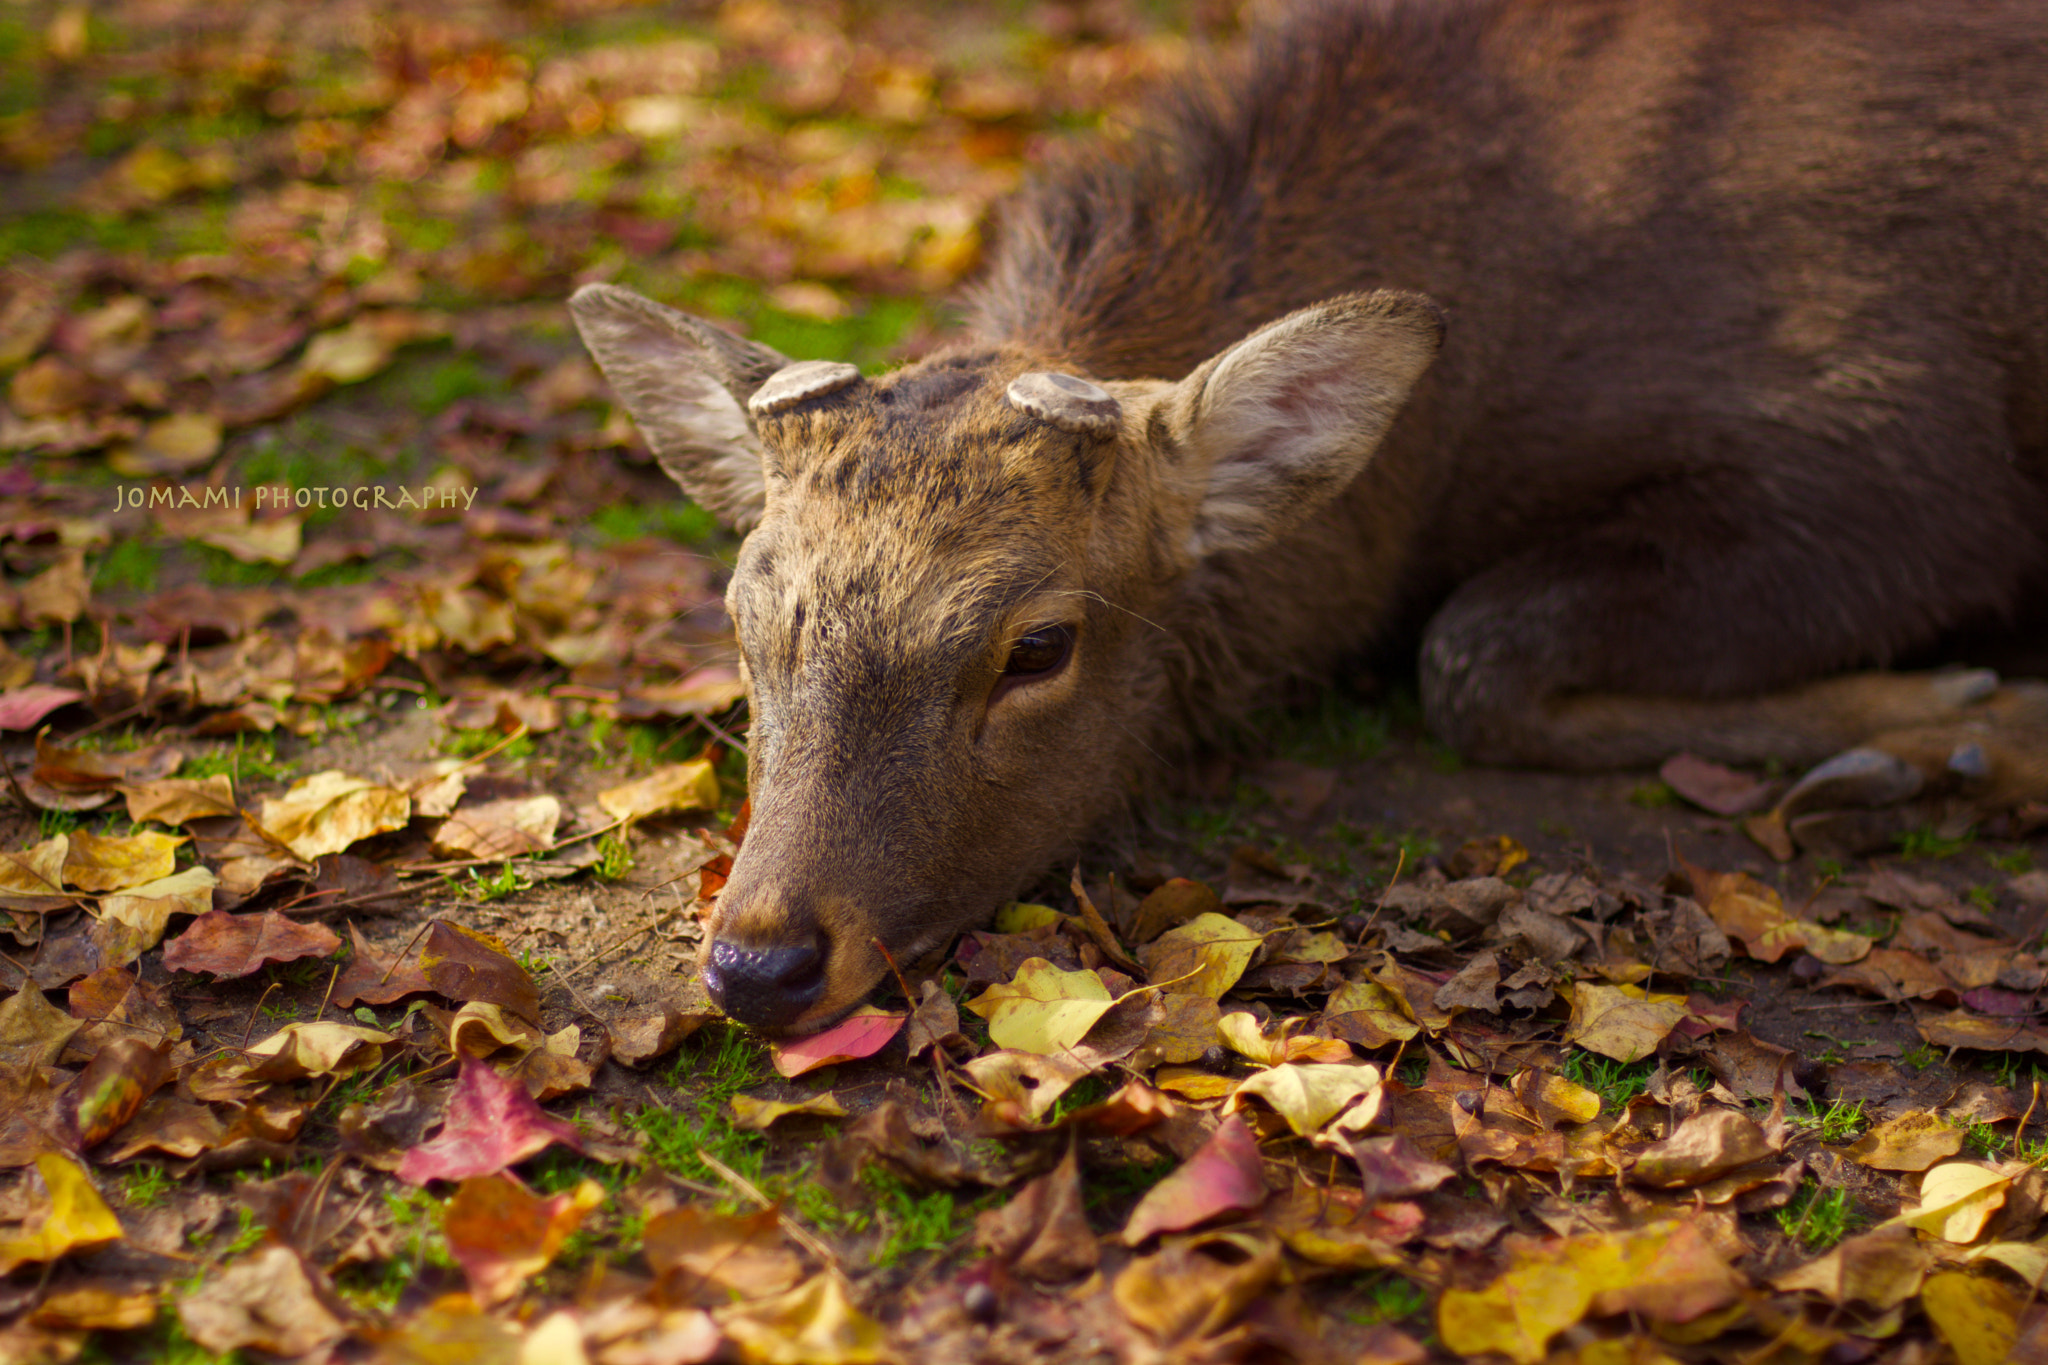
pixel 1991 760
pixel 1614 649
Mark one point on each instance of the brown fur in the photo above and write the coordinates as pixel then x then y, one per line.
pixel 1746 383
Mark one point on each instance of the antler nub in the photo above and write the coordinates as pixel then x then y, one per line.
pixel 792 384
pixel 1073 405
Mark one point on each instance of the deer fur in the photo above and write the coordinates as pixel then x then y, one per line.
pixel 1743 383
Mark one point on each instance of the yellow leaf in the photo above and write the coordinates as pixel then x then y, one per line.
pixel 37 870
pixel 1665 1271
pixel 1978 1317
pixel 756 1114
pixel 1309 1096
pixel 77 1217
pixel 101 863
pixel 1911 1142
pixel 1045 1010
pixel 329 811
pixel 677 787
pixel 1205 956
pixel 1956 1200
pixel 1021 917
pixel 1622 1022
pixel 148 908
pixel 812 1324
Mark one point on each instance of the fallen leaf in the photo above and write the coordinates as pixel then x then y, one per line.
pixel 74 1219
pixel 1044 1010
pixel 498 830
pixel 463 964
pixel 757 1115
pixel 1308 1096
pixel 744 1254
pixel 1956 1201
pixel 1912 1141
pixel 502 1234
pixel 673 789
pixel 329 811
pixel 147 909
pixel 120 1077
pixel 266 1300
pixel 237 945
pixel 1223 1176
pixel 1882 1268
pixel 863 1034
pixel 1622 1022
pixel 1710 1143
pixel 1204 956
pixel 1978 1317
pixel 1043 1232
pixel 492 1124
pixel 1667 1272
pixel 1196 1287
pixel 813 1324
pixel 24 707
pixel 174 800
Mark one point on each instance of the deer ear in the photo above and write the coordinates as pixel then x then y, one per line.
pixel 686 383
pixel 1283 421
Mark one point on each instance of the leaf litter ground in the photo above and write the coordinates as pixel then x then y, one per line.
pixel 355 848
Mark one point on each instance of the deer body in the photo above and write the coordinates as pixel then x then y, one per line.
pixel 1745 383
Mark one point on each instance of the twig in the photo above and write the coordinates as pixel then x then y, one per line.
pixel 138 709
pixel 797 1232
pixel 715 728
pixel 244 1047
pixel 403 951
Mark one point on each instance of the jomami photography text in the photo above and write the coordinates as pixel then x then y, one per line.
pixel 282 497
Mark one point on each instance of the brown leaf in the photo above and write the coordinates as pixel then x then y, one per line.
pixel 237 945
pixel 1043 1232
pixel 270 1300
pixel 373 978
pixel 465 965
pixel 498 830
pixel 693 1250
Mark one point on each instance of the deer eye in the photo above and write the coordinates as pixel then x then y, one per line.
pixel 1041 651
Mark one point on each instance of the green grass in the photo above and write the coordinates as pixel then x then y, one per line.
pixel 2012 863
pixel 1927 842
pixel 1839 1122
pixel 614 858
pixel 1922 1057
pixel 145 1184
pixel 507 881
pixel 1818 1218
pixel 676 519
pixel 1615 1082
pixel 253 759
pixel 1389 1298
pixel 223 570
pixel 708 1070
pixel 1654 796
pixel 128 565
pixel 470 743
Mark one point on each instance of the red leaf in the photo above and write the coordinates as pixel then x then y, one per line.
pixel 492 1124
pixel 23 707
pixel 236 945
pixel 1223 1177
pixel 861 1036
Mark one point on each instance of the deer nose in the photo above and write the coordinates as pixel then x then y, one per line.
pixel 765 987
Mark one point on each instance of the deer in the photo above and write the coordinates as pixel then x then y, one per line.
pixel 1663 370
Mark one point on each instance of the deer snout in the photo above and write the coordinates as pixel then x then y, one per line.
pixel 767 987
